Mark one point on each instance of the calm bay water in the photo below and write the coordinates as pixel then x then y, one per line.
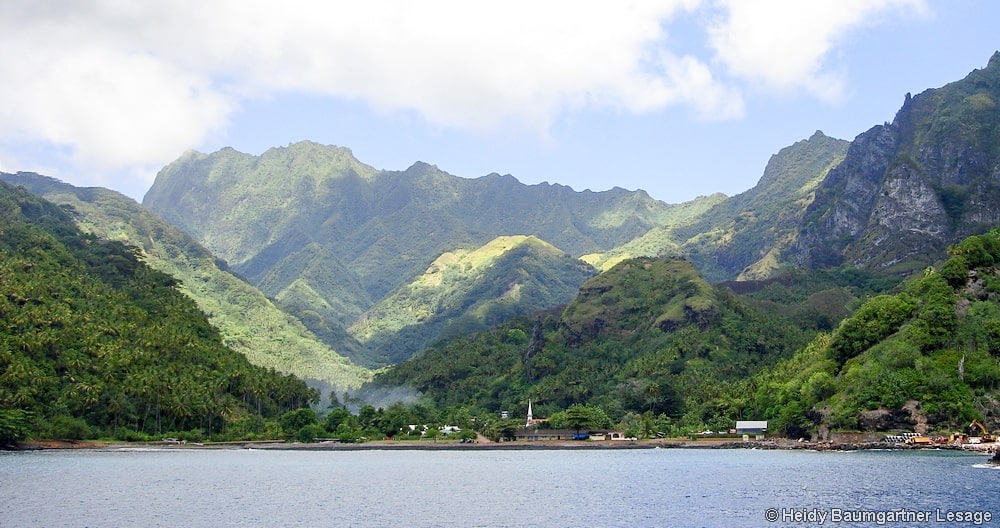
pixel 659 487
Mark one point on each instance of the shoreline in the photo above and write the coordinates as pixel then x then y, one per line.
pixel 389 445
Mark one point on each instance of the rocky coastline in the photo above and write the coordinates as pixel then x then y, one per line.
pixel 771 444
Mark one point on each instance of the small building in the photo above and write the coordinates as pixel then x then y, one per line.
pixel 607 435
pixel 535 435
pixel 757 428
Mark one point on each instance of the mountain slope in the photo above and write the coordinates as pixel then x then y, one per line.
pixel 660 240
pixel 248 321
pixel 924 358
pixel 649 335
pixel 906 190
pixel 743 236
pixel 469 290
pixel 329 237
pixel 91 337
pixel 373 219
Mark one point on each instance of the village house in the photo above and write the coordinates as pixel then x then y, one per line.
pixel 536 435
pixel 757 428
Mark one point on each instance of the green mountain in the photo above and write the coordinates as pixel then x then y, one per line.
pixel 465 291
pixel 329 238
pixel 660 240
pixel 744 236
pixel 925 358
pixel 649 335
pixel 651 338
pixel 93 341
pixel 248 322
pixel 908 189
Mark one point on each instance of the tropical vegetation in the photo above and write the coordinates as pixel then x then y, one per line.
pixel 928 354
pixel 93 342
pixel 647 338
pixel 854 288
pixel 248 321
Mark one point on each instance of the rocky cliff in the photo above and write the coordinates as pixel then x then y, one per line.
pixel 908 189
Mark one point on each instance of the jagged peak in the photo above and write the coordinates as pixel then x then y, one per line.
pixel 298 147
pixel 994 61
pixel 818 137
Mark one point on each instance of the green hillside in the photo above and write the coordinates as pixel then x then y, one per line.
pixel 660 240
pixel 748 235
pixel 466 291
pixel 93 341
pixel 649 336
pixel 384 226
pixel 330 238
pixel 927 356
pixel 248 322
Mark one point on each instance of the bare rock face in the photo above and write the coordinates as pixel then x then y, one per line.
pixel 908 189
pixel 875 420
pixel 917 416
pixel 887 420
pixel 909 417
pixel 906 220
pixel 841 209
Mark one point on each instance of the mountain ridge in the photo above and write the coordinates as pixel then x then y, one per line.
pixel 93 342
pixel 742 236
pixel 248 321
pixel 364 232
pixel 917 184
pixel 471 290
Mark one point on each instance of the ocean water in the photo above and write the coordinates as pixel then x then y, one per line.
pixel 649 487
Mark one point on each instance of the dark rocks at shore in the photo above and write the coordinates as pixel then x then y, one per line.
pixel 662 444
pixel 772 444
pixel 827 446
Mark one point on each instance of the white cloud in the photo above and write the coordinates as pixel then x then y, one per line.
pixel 124 83
pixel 784 44
pixel 115 108
pixel 93 101
pixel 458 63
pixel 127 86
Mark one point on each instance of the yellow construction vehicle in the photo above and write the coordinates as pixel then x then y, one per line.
pixel 985 435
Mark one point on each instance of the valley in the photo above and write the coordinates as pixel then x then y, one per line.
pixel 854 288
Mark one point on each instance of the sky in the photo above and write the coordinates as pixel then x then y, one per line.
pixel 680 98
